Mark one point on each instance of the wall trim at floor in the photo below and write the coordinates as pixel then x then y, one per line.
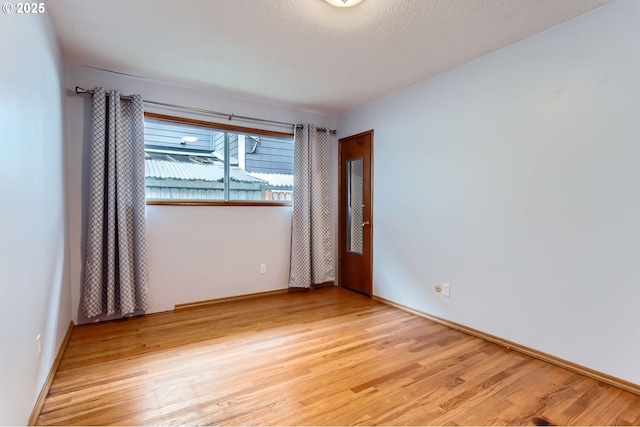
pixel 198 304
pixel 596 375
pixel 37 408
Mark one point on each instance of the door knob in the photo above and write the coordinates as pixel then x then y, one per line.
pixel 365 223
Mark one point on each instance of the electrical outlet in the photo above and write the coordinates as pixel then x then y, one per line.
pixel 38 346
pixel 445 290
pixel 263 268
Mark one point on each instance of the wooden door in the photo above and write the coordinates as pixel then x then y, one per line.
pixel 355 212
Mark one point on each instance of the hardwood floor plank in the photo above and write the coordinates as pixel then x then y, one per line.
pixel 326 357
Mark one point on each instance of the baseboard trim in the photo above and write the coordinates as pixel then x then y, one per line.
pixel 200 304
pixel 37 408
pixel 588 372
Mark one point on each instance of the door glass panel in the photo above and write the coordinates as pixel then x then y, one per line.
pixel 355 208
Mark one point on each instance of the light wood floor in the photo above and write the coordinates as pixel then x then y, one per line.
pixel 328 357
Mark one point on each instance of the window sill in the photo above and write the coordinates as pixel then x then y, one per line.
pixel 215 203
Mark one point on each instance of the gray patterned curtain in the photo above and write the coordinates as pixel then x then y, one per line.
pixel 115 272
pixel 312 261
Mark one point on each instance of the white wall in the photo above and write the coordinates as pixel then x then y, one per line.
pixel 202 253
pixel 516 179
pixel 34 292
pixel 194 253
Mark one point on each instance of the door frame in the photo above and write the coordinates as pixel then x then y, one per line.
pixel 342 210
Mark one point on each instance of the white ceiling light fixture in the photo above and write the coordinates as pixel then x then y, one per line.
pixel 343 3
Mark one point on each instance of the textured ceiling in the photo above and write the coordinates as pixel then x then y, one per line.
pixel 304 53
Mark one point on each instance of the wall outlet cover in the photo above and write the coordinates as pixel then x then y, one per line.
pixel 445 290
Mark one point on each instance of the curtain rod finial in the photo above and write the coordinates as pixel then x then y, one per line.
pixel 81 91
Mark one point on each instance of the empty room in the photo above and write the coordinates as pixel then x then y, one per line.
pixel 320 212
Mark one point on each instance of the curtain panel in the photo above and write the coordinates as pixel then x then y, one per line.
pixel 115 270
pixel 312 261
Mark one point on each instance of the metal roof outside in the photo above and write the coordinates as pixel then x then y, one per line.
pixel 192 171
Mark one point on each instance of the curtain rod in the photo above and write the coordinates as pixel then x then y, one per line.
pixel 81 91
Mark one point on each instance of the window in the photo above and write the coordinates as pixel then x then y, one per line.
pixel 191 161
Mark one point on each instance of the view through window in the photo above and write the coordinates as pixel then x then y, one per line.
pixel 185 162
